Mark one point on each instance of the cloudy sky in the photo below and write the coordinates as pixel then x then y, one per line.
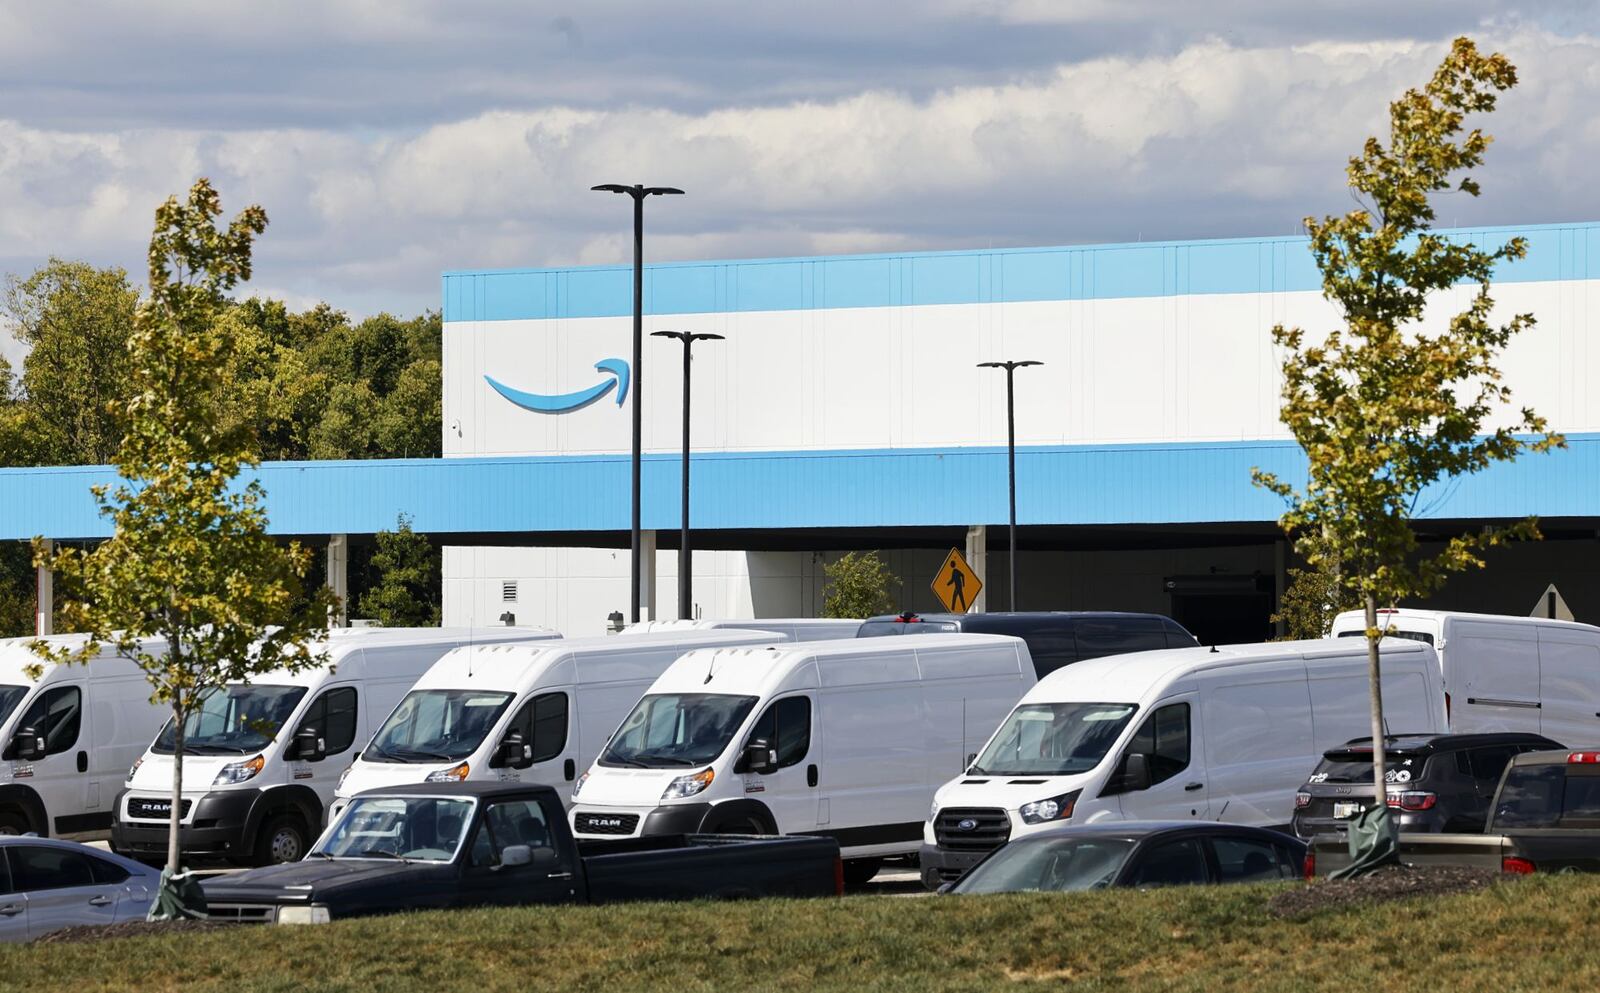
pixel 392 139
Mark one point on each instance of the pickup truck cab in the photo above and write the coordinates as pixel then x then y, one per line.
pixel 1545 818
pixel 459 844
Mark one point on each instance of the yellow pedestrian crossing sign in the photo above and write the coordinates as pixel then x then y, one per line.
pixel 955 584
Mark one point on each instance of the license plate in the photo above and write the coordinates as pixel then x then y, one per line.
pixel 1345 811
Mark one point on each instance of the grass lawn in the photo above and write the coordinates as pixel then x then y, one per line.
pixel 1539 934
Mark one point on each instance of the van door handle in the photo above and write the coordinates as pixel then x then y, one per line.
pixel 1191 787
pixel 83 761
pixel 100 901
pixel 558 875
pixel 811 774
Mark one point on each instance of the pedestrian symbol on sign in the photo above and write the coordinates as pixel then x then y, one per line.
pixel 955 584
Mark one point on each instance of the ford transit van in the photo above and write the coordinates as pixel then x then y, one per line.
pixel 848 739
pixel 261 758
pixel 1224 734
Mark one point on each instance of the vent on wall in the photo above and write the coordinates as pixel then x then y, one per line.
pixel 508 591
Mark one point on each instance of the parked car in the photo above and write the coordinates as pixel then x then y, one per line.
pixel 1223 733
pixel 1055 638
pixel 525 713
pixel 1545 817
pixel 47 884
pixel 792 628
pixel 1436 782
pixel 1135 854
pixel 443 845
pixel 68 736
pixel 1504 673
pixel 261 759
pixel 847 739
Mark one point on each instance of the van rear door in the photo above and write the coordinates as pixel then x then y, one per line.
pixel 1569 686
pixel 1258 745
pixel 1491 672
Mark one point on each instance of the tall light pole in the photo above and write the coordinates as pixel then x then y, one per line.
pixel 685 608
pixel 638 193
pixel 1011 456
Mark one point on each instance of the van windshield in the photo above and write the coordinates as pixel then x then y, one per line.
pixel 235 718
pixel 10 696
pixel 437 726
pixel 1053 739
pixel 667 730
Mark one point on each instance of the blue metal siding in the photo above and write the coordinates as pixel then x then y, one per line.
pixel 1122 484
pixel 1100 272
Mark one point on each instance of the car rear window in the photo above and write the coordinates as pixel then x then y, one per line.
pixel 1548 796
pixel 1343 766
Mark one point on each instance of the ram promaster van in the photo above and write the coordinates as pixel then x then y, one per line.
pixel 1505 673
pixel 792 628
pixel 847 739
pixel 1224 734
pixel 69 736
pixel 1055 638
pixel 534 713
pixel 261 758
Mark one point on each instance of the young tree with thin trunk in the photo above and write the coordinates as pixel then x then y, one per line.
pixel 190 563
pixel 1384 407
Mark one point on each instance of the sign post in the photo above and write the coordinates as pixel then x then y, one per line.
pixel 955 584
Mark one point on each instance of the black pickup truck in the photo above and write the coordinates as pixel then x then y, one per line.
pixel 1545 817
pixel 505 844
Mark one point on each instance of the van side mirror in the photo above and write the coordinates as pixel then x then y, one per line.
pixel 513 753
pixel 971 758
pixel 27 744
pixel 1133 776
pixel 759 758
pixel 309 746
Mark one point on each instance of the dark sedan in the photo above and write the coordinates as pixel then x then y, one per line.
pixel 1137 854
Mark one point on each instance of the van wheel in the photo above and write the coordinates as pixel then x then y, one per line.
pixel 859 872
pixel 281 839
pixel 13 821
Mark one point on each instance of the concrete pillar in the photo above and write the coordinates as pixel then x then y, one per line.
pixel 647 576
pixel 44 610
pixel 339 579
pixel 978 558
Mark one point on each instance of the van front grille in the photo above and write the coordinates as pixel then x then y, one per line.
pixel 589 822
pixel 971 829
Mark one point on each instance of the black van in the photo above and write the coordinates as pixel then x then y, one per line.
pixel 1055 638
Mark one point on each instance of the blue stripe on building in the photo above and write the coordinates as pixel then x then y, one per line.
pixel 1090 484
pixel 1095 272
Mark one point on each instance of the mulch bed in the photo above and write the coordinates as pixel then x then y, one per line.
pixel 127 929
pixel 1390 883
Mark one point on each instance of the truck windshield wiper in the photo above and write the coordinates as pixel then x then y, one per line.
pixel 382 853
pixel 319 853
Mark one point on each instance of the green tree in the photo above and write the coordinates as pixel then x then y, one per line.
pixel 1383 407
pixel 189 563
pixel 857 585
pixel 1314 597
pixel 406 592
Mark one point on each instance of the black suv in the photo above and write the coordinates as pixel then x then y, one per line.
pixel 1055 638
pixel 1436 782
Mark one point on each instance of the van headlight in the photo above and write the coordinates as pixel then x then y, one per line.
pixel 579 785
pixel 688 785
pixel 454 774
pixel 316 913
pixel 238 772
pixel 1056 808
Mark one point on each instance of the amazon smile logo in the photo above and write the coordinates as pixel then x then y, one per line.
pixel 562 403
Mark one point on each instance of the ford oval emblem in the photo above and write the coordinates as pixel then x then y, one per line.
pixel 966 825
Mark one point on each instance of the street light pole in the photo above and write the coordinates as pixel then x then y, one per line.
pixel 638 193
pixel 1011 455
pixel 685 583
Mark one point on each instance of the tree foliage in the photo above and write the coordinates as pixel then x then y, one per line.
pixel 1386 406
pixel 190 564
pixel 405 592
pixel 857 584
pixel 1313 598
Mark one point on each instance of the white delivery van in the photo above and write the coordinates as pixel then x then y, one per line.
pixel 841 738
pixel 69 736
pixel 1225 734
pixel 792 628
pixel 261 758
pixel 534 713
pixel 1503 672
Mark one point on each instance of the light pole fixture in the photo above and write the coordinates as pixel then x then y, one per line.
pixel 1011 455
pixel 685 608
pixel 638 193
